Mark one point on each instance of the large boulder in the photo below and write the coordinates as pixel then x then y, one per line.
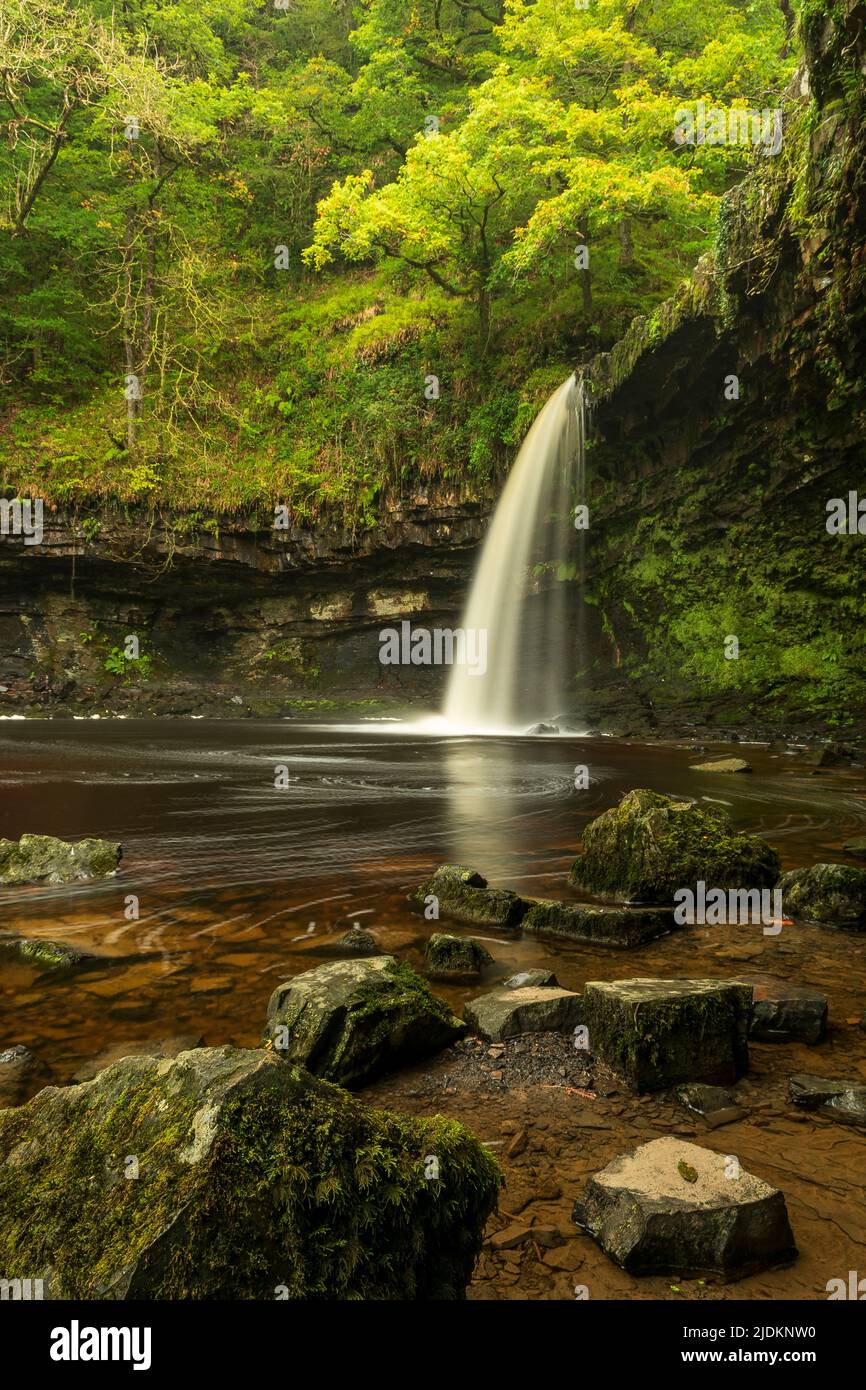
pixel 225 1173
pixel 676 1208
pixel 834 894
pixel 650 845
pixel 598 926
pixel 44 859
pixel 463 895
pixel 449 957
pixel 656 1033
pixel 504 1013
pixel 351 1021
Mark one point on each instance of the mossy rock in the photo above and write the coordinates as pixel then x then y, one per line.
pixel 455 957
pixel 834 894
pixel 44 954
pixel 254 1181
pixel 356 1019
pixel 656 1033
pixel 462 894
pixel 599 926
pixel 45 859
pixel 650 845
pixel 506 1013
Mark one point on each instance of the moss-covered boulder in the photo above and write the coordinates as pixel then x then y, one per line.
pixel 463 895
pixel 227 1174
pixel 656 1033
pixel 455 957
pixel 356 1019
pixel 650 845
pixel 599 926
pixel 44 859
pixel 676 1208
pixel 834 894
pixel 358 942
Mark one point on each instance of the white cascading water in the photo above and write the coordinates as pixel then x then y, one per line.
pixel 525 591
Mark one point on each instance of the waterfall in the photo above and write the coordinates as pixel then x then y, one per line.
pixel 526 588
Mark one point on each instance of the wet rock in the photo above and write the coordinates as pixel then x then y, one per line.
pixel 253 1177
pixel 844 1101
pixel 856 847
pixel 675 1208
pixel 530 979
pixel 351 1021
pixel 43 954
pixel 455 957
pixel 359 942
pixel 833 755
pixel 786 1013
pixel 602 926
pixel 833 894
pixel 713 1103
pixel 723 765
pixel 650 845
pixel 44 859
pixel 462 894
pixel 504 1013
pixel 655 1033
pixel 542 729
pixel 21 1073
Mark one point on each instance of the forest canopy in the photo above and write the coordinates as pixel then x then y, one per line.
pixel 239 240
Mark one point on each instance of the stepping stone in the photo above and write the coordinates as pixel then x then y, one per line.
pixel 530 979
pixel 833 894
pixel 844 1101
pixel 359 942
pixel 43 954
pixel 601 926
pixel 786 1013
pixel 675 1208
pixel 504 1013
pixel 723 765
pixel 713 1103
pixel 463 895
pixel 455 957
pixel 655 1033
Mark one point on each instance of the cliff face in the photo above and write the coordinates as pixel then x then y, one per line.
pixel 728 422
pixel 723 428
pixel 231 616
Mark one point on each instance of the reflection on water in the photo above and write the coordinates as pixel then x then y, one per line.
pixel 241 884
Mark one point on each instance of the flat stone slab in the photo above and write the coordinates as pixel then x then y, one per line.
pixel 600 926
pixel 723 765
pixel 786 1013
pixel 529 979
pixel 676 1208
pixel 504 1013
pixel 714 1104
pixel 462 894
pixel 656 1033
pixel 832 894
pixel 840 1100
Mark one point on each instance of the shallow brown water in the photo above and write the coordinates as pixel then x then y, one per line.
pixel 231 873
